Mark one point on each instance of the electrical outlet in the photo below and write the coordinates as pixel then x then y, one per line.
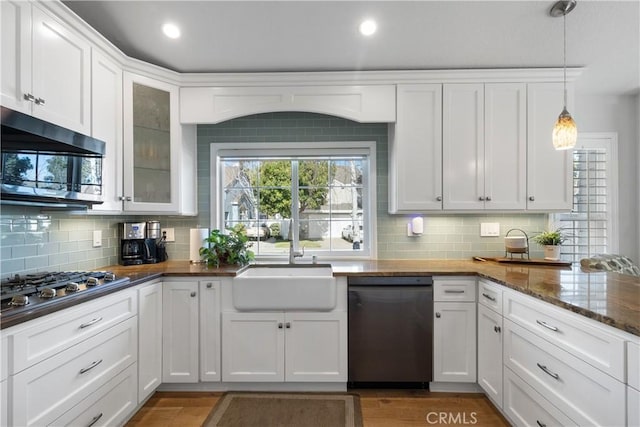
pixel 489 229
pixel 169 234
pixel 97 238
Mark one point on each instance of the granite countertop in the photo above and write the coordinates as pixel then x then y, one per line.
pixel 610 298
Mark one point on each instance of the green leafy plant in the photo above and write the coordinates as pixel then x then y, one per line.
pixel 227 249
pixel 551 238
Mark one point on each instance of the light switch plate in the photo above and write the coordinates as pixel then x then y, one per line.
pixel 489 229
pixel 97 238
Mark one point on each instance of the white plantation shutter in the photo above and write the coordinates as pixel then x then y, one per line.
pixel 592 221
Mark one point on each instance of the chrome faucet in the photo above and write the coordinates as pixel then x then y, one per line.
pixel 294 254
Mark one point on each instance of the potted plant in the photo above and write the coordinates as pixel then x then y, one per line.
pixel 551 241
pixel 227 249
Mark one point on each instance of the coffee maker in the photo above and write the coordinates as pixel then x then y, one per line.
pixel 136 244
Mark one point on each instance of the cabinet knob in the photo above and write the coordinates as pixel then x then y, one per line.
pixel 439 198
pixel 438 315
pixel 193 294
pixel 128 198
pixel 497 329
pixel 209 285
pixel 481 198
pixel 488 198
pixel 541 424
pixel 39 101
pixel 288 325
pixel 280 325
pixel 28 97
pixel 531 198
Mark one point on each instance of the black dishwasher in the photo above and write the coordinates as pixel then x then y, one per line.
pixel 390 331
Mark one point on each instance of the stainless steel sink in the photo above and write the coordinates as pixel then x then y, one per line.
pixel 264 287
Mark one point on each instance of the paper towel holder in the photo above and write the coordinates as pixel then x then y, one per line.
pixel 197 238
pixel 415 227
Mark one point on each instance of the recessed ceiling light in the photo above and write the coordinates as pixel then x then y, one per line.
pixel 171 30
pixel 368 27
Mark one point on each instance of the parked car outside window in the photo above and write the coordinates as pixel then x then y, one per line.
pixel 352 234
pixel 258 232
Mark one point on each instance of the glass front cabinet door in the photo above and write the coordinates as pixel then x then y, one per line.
pixel 153 146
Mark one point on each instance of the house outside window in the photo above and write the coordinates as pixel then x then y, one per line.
pixel 320 196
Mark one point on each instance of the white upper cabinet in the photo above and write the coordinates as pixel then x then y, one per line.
pixel 415 150
pixel 371 103
pixel 45 67
pixel 484 146
pixel 159 153
pixel 106 124
pixel 549 172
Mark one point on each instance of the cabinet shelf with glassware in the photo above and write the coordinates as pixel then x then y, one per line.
pixel 159 154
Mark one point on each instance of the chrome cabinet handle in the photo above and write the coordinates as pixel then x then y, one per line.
pixel 489 297
pixel 28 97
pixel 95 419
pixel 497 329
pixel 541 323
pixel 90 322
pixel 288 325
pixel 280 325
pixel 439 198
pixel 39 101
pixel 548 372
pixel 438 315
pixel 193 294
pixel 531 198
pixel 209 285
pixel 481 198
pixel 90 367
pixel 541 424
pixel 454 291
pixel 127 199
pixel 488 198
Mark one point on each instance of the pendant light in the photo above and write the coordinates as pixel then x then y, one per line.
pixel 565 132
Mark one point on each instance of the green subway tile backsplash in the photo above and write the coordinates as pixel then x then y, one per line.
pixel 32 241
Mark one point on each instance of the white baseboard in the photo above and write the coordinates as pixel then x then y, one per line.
pixel 248 386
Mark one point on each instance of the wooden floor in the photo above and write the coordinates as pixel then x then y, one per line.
pixel 388 408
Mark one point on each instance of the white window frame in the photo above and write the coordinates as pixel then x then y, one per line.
pixel 608 141
pixel 369 208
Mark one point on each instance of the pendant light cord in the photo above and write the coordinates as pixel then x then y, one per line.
pixel 564 53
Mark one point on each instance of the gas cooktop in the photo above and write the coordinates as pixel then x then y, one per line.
pixel 25 292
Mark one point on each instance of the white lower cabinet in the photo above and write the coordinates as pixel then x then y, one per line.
pixel 180 332
pixel 490 353
pixel 110 405
pixel 454 342
pixel 150 342
pixel 45 391
pixel 582 392
pixel 633 407
pixel 4 403
pixel 278 347
pixel 526 407
pixel 210 330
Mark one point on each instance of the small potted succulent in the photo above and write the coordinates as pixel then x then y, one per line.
pixel 227 249
pixel 551 241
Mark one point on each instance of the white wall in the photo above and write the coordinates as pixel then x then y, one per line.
pixel 621 114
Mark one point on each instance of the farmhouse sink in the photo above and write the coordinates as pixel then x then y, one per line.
pixel 285 287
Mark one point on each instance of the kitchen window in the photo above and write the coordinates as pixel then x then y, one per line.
pixel 592 223
pixel 320 196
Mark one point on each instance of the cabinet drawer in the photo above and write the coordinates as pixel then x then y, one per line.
pixel 570 331
pixel 48 389
pixel 526 407
pixel 490 295
pixel 633 365
pixel 56 332
pixel 461 289
pixel 108 406
pixel 581 391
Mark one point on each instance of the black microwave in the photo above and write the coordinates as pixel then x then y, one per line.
pixel 45 164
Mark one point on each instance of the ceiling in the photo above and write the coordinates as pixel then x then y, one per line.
pixel 264 36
